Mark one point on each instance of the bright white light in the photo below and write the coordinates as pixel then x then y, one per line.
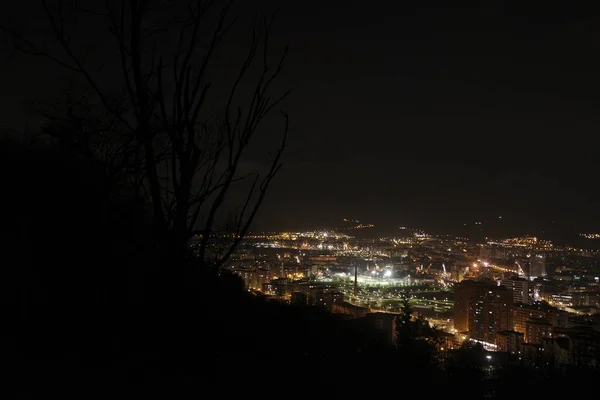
pixel 387 273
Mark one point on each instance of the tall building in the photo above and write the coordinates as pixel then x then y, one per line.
pixel 328 297
pixel 510 341
pixel 536 329
pixel 537 266
pixel 523 313
pixel 482 309
pixel 522 289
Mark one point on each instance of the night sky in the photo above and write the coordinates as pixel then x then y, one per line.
pixel 430 117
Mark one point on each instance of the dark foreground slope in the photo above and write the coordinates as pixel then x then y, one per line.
pixel 89 312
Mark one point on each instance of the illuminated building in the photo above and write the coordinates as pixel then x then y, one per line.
pixel 522 289
pixel 481 309
pixel 536 329
pixel 278 287
pixel 537 266
pixel 328 297
pixel 573 299
pixel 510 341
pixel 523 313
pixel 255 278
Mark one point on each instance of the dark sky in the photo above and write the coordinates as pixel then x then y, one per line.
pixel 430 116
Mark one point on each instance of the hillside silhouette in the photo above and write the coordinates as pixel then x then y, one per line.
pixel 90 309
pixel 88 303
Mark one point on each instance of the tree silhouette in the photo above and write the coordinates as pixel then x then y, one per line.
pixel 410 327
pixel 416 342
pixel 404 322
pixel 160 133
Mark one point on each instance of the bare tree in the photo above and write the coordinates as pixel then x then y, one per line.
pixel 160 130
